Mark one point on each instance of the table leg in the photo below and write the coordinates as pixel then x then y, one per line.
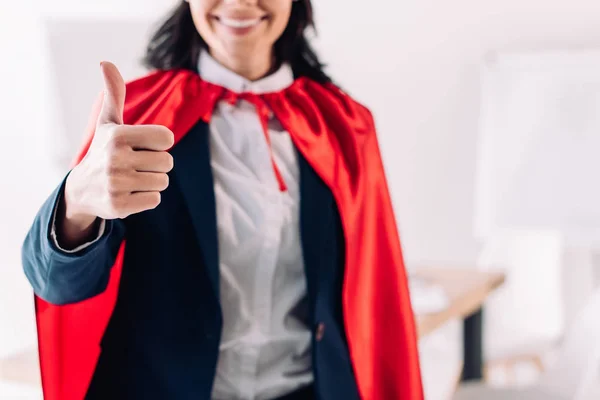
pixel 473 347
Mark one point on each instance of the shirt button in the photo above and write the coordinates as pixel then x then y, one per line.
pixel 320 332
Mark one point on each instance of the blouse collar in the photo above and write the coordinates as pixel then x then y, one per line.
pixel 214 72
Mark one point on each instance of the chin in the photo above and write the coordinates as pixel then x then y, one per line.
pixel 241 50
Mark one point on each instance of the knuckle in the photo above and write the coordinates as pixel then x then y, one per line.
pixel 169 162
pixel 114 184
pixel 164 130
pixel 112 171
pixel 113 162
pixel 164 183
pixel 167 134
pixel 112 131
pixel 116 204
pixel 117 136
pixel 157 198
pixel 117 159
pixel 123 215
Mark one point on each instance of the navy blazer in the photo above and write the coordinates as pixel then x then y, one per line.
pixel 162 341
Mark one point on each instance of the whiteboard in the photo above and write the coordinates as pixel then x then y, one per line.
pixel 538 158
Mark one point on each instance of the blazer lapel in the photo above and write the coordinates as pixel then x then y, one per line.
pixel 193 172
pixel 316 206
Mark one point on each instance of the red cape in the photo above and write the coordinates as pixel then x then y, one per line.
pixel 337 137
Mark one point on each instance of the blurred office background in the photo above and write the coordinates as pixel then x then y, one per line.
pixel 488 115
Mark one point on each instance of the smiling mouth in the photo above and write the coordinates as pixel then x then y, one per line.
pixel 236 23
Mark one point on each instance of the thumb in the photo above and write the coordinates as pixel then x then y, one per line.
pixel 114 95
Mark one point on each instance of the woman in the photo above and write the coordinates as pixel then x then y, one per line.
pixel 261 258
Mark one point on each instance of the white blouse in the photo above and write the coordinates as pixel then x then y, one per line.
pixel 265 345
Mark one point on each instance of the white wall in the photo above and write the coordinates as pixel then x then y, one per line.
pixel 28 124
pixel 415 63
pixel 23 166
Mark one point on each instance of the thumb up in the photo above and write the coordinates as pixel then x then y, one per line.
pixel 114 95
pixel 125 169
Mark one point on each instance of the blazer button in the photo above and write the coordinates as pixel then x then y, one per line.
pixel 320 332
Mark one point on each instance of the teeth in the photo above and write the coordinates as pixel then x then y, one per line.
pixel 238 23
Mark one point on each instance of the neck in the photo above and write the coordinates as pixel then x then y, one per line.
pixel 252 68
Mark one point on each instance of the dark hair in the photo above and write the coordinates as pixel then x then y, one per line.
pixel 177 44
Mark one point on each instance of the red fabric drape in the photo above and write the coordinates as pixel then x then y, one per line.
pixel 337 137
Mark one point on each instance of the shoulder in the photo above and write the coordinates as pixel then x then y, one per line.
pixel 159 77
pixel 332 99
pixel 157 83
pixel 146 94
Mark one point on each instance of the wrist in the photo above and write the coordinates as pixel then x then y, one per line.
pixel 75 215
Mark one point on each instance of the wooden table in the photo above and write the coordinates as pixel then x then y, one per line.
pixel 467 290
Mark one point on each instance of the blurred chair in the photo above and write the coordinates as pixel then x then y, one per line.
pixel 525 318
pixel 573 376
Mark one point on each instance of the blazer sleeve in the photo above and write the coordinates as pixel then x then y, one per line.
pixel 61 277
